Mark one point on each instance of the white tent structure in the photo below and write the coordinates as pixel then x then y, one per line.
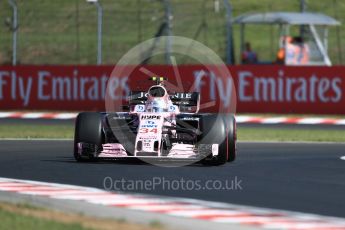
pixel 315 31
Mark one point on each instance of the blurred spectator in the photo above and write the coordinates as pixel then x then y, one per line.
pixel 302 51
pixel 248 55
pixel 293 51
pixel 284 45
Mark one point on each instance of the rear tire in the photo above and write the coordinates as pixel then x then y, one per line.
pixel 213 131
pixel 230 126
pixel 88 129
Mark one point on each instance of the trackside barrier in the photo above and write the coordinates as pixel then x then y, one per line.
pixel 259 88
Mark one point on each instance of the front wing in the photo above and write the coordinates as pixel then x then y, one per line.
pixel 177 152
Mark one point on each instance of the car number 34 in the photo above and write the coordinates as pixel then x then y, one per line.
pixel 147 130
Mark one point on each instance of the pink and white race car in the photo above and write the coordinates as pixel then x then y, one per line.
pixel 156 128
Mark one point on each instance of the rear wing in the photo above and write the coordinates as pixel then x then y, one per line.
pixel 187 102
pixel 137 98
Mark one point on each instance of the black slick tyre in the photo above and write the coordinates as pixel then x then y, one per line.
pixel 88 129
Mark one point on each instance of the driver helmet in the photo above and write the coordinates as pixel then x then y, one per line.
pixel 157 106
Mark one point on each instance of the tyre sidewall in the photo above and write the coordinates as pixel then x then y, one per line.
pixel 213 131
pixel 230 126
pixel 88 129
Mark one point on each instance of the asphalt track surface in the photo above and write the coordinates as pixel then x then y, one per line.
pixel 290 176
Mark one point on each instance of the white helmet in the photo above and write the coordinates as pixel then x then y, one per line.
pixel 157 105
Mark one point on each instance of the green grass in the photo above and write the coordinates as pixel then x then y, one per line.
pixel 30 131
pixel 27 216
pixel 264 133
pixel 285 134
pixel 11 220
pixel 64 31
pixel 156 224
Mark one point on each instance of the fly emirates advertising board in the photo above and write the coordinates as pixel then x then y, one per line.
pixel 246 89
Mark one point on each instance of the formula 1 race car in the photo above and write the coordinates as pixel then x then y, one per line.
pixel 156 128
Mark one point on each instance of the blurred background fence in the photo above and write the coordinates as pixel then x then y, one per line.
pixel 65 31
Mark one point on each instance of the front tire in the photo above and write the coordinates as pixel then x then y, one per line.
pixel 88 129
